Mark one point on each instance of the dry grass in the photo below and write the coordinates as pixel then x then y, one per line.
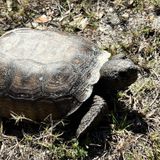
pixel 132 128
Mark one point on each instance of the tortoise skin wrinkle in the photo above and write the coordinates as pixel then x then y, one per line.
pixel 38 66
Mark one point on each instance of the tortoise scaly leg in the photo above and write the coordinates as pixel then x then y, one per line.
pixel 93 116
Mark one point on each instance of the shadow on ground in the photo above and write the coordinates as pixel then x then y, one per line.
pixel 98 138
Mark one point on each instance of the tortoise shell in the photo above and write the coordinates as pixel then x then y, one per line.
pixel 46 72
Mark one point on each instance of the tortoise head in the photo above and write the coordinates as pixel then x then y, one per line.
pixel 117 74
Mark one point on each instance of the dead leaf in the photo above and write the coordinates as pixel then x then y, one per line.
pixel 42 19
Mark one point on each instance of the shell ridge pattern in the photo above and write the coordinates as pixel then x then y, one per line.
pixel 59 79
pixel 90 76
pixel 83 87
pixel 25 82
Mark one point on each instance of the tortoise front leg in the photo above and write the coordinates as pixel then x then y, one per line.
pixel 93 116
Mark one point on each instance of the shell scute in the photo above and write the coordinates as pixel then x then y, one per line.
pixel 25 81
pixel 59 78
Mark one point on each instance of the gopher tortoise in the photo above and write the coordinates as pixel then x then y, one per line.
pixel 52 73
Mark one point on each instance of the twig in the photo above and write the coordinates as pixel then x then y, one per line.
pixel 157 95
pixel 157 76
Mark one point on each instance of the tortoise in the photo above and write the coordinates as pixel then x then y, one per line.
pixel 45 72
